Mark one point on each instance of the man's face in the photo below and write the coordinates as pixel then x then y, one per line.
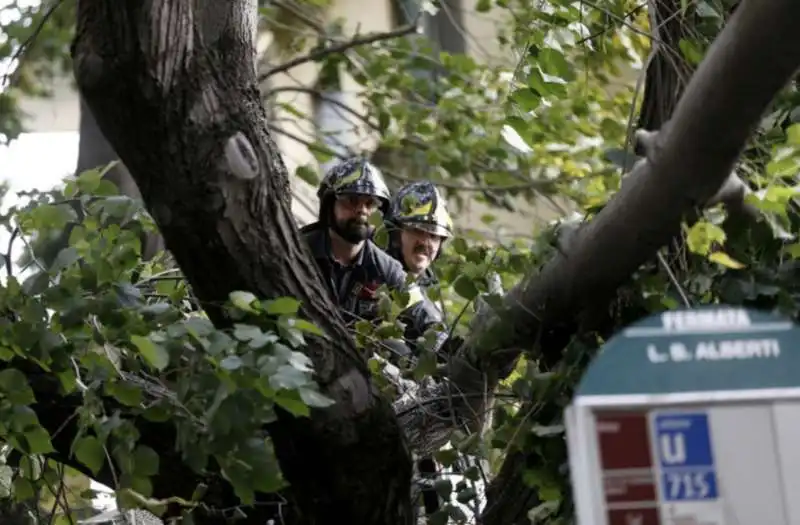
pixel 419 248
pixel 351 213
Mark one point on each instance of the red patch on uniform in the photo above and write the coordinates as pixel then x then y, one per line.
pixel 368 290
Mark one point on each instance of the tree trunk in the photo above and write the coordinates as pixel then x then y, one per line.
pixel 173 88
pixel 174 91
pixel 94 151
pixel 668 71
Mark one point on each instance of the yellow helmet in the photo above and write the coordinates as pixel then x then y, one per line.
pixel 419 205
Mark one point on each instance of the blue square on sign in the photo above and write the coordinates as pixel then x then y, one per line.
pixel 689 485
pixel 683 440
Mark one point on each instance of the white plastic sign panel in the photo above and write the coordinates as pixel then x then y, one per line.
pixel 690 418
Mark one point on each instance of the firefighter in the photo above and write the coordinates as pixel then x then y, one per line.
pixel 354 267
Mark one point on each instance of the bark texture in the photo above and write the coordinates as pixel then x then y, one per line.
pixel 181 107
pixel 668 71
pixel 173 89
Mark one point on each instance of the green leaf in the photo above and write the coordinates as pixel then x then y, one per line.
pixel 126 393
pixel 702 235
pixel 246 332
pixel 549 493
pixel 691 52
pixel 483 6
pixel 314 398
pixel 440 517
pixel 139 484
pixel 90 452
pixel 14 386
pixel 443 487
pixel 426 365
pixel 145 461
pixel 157 413
pixel 50 216
pixel 793 134
pixel 23 489
pixel 307 174
pixel 447 456
pixel 726 260
pixel 38 440
pixel 455 513
pixel 31 467
pixel 465 287
pixel 466 495
pixel 460 246
pixel 231 363
pixel 156 355
pixel 36 283
pixel 89 181
pixel 290 401
pixel 243 301
pixel 554 63
pixel 65 258
pixel 288 377
pixel 306 326
pixel 282 306
pixel 793 250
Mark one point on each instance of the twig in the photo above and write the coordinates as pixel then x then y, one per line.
pixel 341 47
pixel 10 75
pixel 315 93
pixel 9 268
pixel 293 10
pixel 541 185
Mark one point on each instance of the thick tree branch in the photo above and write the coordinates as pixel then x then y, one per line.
pixel 341 47
pixel 707 133
pixel 714 118
pixel 182 109
pixel 719 109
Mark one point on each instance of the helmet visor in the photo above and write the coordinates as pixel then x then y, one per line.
pixel 432 228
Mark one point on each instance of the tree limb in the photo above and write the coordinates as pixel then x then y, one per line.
pixel 341 47
pixel 708 131
pixel 174 103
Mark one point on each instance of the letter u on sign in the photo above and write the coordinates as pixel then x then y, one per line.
pixel 683 440
pixel 673 448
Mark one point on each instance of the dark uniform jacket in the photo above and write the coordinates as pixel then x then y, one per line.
pixel 354 287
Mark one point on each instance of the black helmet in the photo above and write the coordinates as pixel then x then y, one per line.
pixel 419 205
pixel 354 176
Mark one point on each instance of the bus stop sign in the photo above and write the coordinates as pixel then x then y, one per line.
pixel 690 417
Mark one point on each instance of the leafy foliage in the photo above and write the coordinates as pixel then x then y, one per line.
pixel 126 345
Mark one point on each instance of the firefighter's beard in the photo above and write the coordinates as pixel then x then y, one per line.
pixel 353 230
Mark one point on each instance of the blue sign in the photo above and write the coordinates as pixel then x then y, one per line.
pixel 685 457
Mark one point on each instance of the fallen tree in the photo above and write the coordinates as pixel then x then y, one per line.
pixel 193 135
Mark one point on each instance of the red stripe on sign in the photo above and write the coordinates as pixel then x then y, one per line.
pixel 629 488
pixel 634 517
pixel 623 440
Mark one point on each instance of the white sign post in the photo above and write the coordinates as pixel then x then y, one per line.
pixel 690 418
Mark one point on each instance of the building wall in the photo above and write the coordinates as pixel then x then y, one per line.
pixel 457 24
